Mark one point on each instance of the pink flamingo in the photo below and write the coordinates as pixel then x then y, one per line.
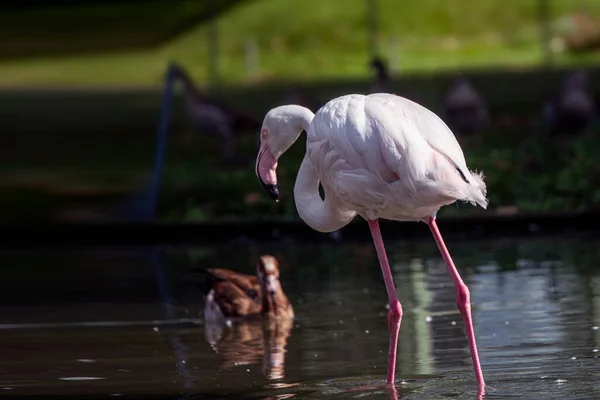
pixel 378 156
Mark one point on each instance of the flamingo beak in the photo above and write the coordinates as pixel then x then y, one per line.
pixel 272 191
pixel 266 167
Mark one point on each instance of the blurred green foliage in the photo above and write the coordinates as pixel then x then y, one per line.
pixel 295 39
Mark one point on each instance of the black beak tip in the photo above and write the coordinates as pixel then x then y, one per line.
pixel 273 192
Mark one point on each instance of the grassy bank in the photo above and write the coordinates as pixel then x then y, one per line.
pixel 295 39
pixel 308 39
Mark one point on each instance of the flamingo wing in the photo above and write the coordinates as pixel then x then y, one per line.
pixel 417 121
pixel 379 139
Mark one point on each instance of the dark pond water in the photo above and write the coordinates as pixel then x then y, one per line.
pixel 118 323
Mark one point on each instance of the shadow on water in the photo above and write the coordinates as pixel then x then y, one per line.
pixel 104 322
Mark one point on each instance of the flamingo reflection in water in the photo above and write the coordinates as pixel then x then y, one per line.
pixel 248 319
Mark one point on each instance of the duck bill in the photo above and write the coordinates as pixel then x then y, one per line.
pixel 266 170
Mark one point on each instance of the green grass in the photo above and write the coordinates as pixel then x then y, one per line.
pixel 304 39
pixel 307 39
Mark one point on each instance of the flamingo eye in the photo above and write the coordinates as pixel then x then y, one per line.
pixel 264 132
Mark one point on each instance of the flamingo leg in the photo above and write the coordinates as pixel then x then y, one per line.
pixel 463 299
pixel 395 313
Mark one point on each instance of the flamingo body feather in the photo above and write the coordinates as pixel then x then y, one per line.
pixel 385 156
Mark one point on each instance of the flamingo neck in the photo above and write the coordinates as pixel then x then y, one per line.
pixel 289 121
pixel 382 76
pixel 161 144
pixel 321 215
pixel 191 91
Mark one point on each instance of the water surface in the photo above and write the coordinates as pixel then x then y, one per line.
pixel 125 322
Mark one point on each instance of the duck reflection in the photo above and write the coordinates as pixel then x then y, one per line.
pixel 248 319
pixel 250 343
pixel 280 396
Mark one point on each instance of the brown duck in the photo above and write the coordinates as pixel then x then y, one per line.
pixel 233 296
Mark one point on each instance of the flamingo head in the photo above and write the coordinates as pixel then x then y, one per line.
pixel 279 131
pixel 266 166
